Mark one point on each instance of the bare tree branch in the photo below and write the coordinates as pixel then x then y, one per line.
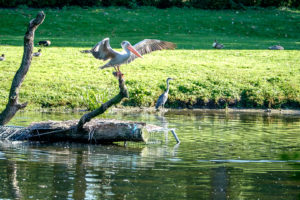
pixel 115 100
pixel 13 105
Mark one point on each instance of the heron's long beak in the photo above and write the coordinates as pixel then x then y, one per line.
pixel 132 49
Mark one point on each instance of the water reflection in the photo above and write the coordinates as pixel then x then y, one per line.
pixel 219 183
pixel 222 156
pixel 164 124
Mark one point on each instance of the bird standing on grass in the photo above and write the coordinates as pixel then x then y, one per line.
pixel 217 45
pixel 276 47
pixel 103 51
pixel 2 57
pixel 37 54
pixel 162 99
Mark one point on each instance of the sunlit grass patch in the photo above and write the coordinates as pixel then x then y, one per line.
pixel 64 77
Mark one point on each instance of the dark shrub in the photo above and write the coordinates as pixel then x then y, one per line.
pixel 168 3
pixel 210 4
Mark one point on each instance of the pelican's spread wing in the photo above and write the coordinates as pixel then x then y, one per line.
pixel 148 45
pixel 103 51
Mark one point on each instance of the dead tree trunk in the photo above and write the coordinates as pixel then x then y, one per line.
pixel 13 104
pixel 115 100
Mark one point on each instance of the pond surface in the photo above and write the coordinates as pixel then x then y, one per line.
pixel 221 156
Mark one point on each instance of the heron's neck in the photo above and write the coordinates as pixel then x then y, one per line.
pixel 167 90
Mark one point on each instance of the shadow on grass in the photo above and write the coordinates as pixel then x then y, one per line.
pixel 188 28
pixel 189 42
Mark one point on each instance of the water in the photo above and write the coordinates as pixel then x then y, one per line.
pixel 221 156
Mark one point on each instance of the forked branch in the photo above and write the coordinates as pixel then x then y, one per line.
pixel 115 100
pixel 13 104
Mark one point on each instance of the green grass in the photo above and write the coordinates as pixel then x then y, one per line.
pixel 244 74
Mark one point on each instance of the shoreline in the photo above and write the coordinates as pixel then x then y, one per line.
pixel 207 110
pixel 152 110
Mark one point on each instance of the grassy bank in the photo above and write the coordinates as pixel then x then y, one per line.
pixel 244 74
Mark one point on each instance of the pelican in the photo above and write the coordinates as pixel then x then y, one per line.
pixel 2 57
pixel 37 54
pixel 103 51
pixel 162 99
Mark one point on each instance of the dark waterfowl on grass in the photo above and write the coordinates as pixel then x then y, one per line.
pixel 217 45
pixel 44 43
pixel 2 57
pixel 276 47
pixel 37 54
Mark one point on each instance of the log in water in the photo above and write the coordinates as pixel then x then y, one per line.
pixel 95 131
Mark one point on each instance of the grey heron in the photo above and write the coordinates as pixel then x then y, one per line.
pixel 103 51
pixel 162 99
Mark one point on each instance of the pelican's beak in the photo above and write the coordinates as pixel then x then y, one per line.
pixel 132 49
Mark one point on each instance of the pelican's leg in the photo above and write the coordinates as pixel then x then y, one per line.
pixel 120 73
pixel 116 72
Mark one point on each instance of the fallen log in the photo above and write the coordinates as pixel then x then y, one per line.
pixel 94 131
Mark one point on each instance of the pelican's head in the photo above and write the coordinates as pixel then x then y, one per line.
pixel 2 55
pixel 39 50
pixel 127 45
